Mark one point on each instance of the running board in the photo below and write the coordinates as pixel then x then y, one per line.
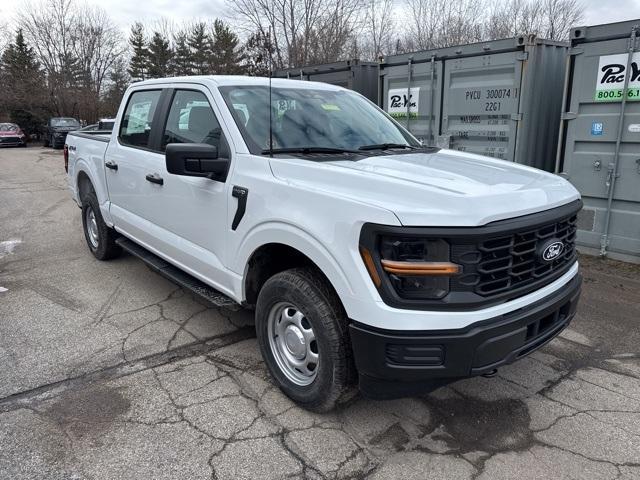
pixel 177 276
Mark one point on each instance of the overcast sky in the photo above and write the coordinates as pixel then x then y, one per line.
pixel 125 12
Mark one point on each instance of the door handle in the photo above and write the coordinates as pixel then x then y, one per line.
pixel 111 165
pixel 154 178
pixel 241 194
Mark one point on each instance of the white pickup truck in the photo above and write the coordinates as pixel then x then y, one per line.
pixel 370 259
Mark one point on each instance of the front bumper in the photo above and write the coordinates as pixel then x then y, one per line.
pixel 399 363
pixel 59 141
pixel 11 142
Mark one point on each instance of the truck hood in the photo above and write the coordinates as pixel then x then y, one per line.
pixel 444 188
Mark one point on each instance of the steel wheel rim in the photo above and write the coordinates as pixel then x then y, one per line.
pixel 92 227
pixel 293 343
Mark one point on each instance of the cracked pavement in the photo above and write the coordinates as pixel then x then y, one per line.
pixel 110 371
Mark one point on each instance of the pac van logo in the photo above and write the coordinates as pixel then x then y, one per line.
pixel 398 101
pixel 551 250
pixel 611 75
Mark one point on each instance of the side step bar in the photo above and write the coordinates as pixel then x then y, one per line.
pixel 177 276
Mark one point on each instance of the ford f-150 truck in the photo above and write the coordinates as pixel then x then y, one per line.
pixel 370 259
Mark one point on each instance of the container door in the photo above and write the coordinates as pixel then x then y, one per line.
pixel 424 109
pixel 481 104
pixel 590 140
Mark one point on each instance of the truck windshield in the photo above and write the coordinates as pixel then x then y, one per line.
pixel 311 120
pixel 64 122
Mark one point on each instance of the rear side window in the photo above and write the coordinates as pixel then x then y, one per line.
pixel 137 122
pixel 191 120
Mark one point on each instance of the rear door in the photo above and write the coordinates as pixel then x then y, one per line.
pixel 129 159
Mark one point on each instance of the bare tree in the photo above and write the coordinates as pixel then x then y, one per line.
pixel 440 23
pixel 379 29
pixel 97 45
pixel 302 31
pixel 561 15
pixel 5 35
pixel 77 47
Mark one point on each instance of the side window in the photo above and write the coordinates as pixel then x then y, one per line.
pixel 136 124
pixel 191 120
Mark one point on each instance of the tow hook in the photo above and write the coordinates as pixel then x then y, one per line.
pixel 491 373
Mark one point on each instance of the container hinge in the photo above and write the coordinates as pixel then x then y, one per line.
pixel 569 115
pixel 522 56
pixel 576 51
pixel 638 165
pixel 517 117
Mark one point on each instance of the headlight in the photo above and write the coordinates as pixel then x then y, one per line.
pixel 416 268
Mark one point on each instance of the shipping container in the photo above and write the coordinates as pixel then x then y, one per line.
pixel 361 77
pixel 500 98
pixel 599 147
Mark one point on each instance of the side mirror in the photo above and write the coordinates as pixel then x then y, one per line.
pixel 196 160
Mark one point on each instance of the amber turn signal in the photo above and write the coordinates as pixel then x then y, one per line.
pixel 371 268
pixel 420 268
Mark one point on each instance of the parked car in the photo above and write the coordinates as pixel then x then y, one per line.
pixel 12 136
pixel 369 259
pixel 57 129
pixel 89 128
pixel 106 124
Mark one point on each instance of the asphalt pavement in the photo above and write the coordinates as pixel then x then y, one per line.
pixel 109 371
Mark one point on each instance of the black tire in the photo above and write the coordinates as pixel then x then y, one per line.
pixel 309 292
pixel 102 244
pixel 45 142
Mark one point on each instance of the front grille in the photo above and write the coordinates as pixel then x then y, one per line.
pixel 9 139
pixel 512 262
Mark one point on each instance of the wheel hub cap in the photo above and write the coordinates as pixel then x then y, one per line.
pixel 293 343
pixel 294 340
pixel 92 227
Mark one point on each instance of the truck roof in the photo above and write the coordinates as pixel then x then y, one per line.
pixel 225 80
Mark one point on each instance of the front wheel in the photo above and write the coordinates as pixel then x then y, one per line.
pixel 100 238
pixel 302 333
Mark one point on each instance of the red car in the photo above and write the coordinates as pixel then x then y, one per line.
pixel 12 136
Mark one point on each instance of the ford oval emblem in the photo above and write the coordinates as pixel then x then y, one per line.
pixel 552 251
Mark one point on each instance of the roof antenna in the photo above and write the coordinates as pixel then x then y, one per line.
pixel 270 104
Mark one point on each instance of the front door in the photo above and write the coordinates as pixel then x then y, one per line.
pixel 191 212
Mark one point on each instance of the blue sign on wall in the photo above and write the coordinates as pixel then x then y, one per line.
pixel 597 128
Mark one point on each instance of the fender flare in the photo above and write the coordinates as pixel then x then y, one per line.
pixel 82 166
pixel 297 238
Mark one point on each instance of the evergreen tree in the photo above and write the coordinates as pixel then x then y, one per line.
pixel 200 44
pixel 22 77
pixel 138 66
pixel 226 57
pixel 160 56
pixel 118 82
pixel 183 58
pixel 257 55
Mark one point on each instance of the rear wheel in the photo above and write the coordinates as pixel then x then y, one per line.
pixel 100 238
pixel 302 333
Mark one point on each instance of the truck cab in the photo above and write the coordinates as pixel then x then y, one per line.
pixel 370 259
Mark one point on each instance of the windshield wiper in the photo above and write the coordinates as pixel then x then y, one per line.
pixel 386 146
pixel 308 150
